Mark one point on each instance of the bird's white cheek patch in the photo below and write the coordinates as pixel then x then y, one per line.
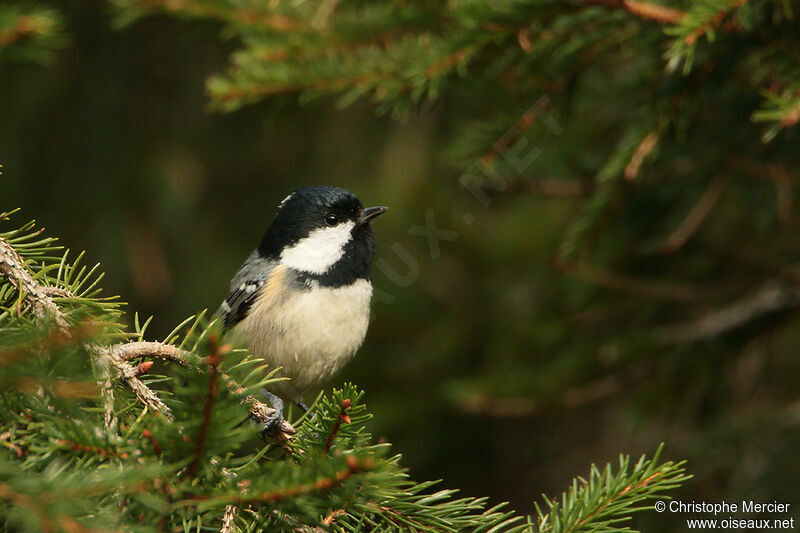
pixel 320 250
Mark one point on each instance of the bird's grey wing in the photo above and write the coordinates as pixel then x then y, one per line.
pixel 244 289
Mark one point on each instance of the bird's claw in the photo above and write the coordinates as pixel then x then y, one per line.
pixel 275 421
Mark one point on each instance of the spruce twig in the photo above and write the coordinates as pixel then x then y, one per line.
pixel 343 417
pixel 13 268
pixel 213 360
pixel 645 10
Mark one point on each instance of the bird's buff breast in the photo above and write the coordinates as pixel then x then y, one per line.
pixel 312 333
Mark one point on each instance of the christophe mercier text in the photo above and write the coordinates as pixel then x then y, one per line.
pixel 746 506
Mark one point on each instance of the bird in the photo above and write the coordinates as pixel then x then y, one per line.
pixel 301 300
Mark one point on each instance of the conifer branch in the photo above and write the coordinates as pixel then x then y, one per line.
pixel 778 174
pixel 331 518
pixel 116 357
pixel 157 448
pixel 92 449
pixel 261 412
pixel 156 350
pixel 647 144
pixel 354 466
pixel 25 27
pixel 129 375
pixel 218 10
pixel 343 417
pixel 43 306
pixel 695 217
pixel 792 115
pixel 644 10
pixel 644 288
pixel 213 361
pixel 712 22
pixel 4 440
pixel 29 33
pixel 167 352
pixel 771 297
pixel 12 267
pixel 602 501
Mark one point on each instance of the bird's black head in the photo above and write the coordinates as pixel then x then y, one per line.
pixel 324 234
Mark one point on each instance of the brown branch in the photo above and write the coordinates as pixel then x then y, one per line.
pixel 57 292
pixel 119 368
pixel 331 518
pixel 558 188
pixel 159 350
pixel 642 151
pixel 447 62
pixel 263 90
pixel 697 214
pixel 343 417
pixel 57 339
pixel 713 22
pixel 259 410
pixel 62 388
pixel 621 282
pixel 400 520
pixel 157 448
pixel 354 466
pixel 484 404
pixel 91 449
pixel 35 507
pixel 4 440
pixel 245 16
pixel 608 502
pixel 25 26
pixel 524 123
pixel 772 297
pixel 793 116
pixel 12 267
pixel 213 361
pixel 781 176
pixel 643 10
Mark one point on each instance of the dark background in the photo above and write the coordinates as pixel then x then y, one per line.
pixel 491 368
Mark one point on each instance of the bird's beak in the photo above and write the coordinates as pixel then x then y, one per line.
pixel 368 213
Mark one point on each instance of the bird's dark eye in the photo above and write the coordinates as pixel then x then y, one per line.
pixel 331 220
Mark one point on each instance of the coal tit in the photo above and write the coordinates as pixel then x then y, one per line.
pixel 301 300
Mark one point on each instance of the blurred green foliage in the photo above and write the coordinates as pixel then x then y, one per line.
pixel 556 329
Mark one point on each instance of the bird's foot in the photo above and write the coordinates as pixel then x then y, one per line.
pixel 276 419
pixel 303 407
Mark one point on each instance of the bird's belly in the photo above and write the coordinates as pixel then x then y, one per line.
pixel 311 334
